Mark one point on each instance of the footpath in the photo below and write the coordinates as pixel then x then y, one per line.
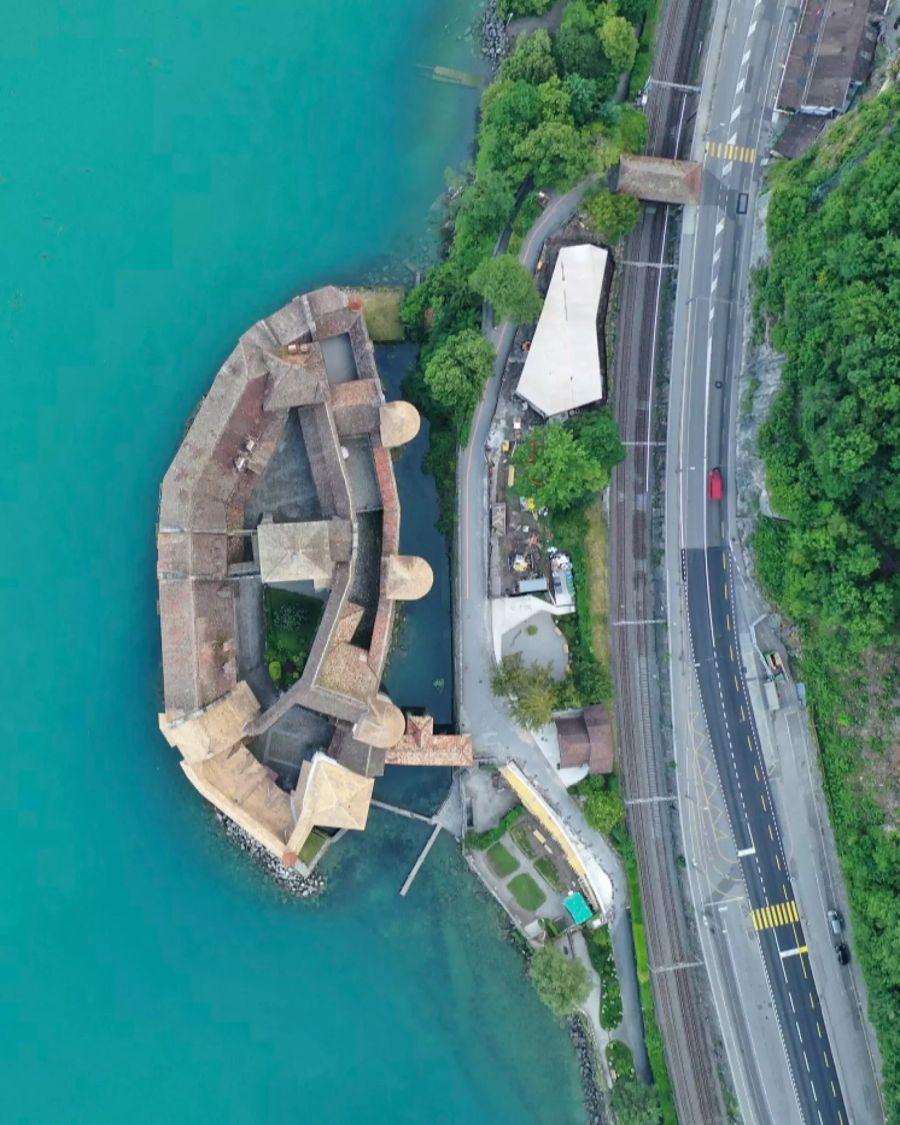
pixel 495 737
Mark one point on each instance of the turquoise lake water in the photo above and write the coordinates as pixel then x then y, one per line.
pixel 171 171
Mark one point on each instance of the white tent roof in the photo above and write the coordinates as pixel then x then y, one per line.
pixel 562 371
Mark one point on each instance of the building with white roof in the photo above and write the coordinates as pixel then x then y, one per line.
pixel 563 371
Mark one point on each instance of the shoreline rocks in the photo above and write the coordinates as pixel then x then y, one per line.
pixel 587 1067
pixel 288 879
pixel 494 46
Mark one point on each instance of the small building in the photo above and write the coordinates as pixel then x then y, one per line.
pixel 586 740
pixel 563 370
pixel 578 908
pixel 831 55
pixel 660 181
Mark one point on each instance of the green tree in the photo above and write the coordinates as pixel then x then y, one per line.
pixel 584 98
pixel 486 206
pixel 578 48
pixel 556 471
pixel 509 287
pixel 510 110
pixel 530 688
pixel 532 59
pixel 457 372
pixel 555 153
pixel 563 983
pixel 513 9
pixel 603 810
pixel 613 215
pixel 598 433
pixel 633 1103
pixel 619 41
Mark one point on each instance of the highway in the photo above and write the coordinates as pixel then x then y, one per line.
pixel 708 667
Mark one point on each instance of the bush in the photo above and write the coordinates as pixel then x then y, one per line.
pixel 509 287
pixel 613 215
pixel 562 983
pixel 513 9
pixel 275 671
pixel 481 841
pixel 603 811
pixel 599 946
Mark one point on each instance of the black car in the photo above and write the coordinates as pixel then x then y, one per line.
pixel 843 953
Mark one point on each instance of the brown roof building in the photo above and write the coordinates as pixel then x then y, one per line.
pixel 586 740
pixel 660 181
pixel 831 55
pixel 300 392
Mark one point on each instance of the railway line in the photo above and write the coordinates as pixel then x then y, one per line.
pixel 679 981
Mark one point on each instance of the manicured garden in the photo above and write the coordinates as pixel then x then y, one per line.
pixel 546 868
pixel 502 861
pixel 526 892
pixel 600 951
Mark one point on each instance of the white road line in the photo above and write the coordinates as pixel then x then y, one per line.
pixel 747 851
pixel 751 29
pixel 746 56
pixel 736 112
pixel 791 998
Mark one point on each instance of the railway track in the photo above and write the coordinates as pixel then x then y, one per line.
pixel 680 993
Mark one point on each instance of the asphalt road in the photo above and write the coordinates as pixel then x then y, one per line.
pixel 740 85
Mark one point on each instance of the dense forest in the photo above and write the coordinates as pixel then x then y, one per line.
pixel 830 298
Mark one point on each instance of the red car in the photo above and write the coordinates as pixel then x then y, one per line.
pixel 716 484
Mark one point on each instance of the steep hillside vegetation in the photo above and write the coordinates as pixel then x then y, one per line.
pixel 831 299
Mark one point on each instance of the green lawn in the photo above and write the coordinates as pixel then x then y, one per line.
pixel 381 308
pixel 502 862
pixel 524 839
pixel 547 871
pixel 526 892
pixel 314 844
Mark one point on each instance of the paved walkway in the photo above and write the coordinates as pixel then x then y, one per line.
pixel 494 735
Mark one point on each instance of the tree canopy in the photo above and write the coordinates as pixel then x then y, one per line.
pixel 634 1103
pixel 618 39
pixel 532 59
pixel 532 692
pixel 563 983
pixel 613 214
pixel 564 465
pixel 457 371
pixel 831 443
pixel 509 287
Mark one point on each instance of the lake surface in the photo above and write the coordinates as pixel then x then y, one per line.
pixel 170 172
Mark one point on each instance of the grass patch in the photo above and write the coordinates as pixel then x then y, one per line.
pixel 381 308
pixel 526 892
pixel 315 841
pixel 524 840
pixel 620 1059
pixel 643 60
pixel 600 951
pixel 546 868
pixel 596 549
pixel 292 621
pixel 481 841
pixel 652 1035
pixel 501 861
